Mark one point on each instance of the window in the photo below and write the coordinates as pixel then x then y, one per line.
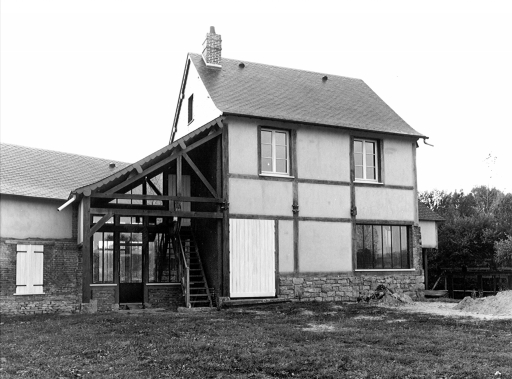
pixel 29 269
pixel 383 247
pixel 103 258
pixel 163 265
pixel 191 108
pixel 366 160
pixel 275 152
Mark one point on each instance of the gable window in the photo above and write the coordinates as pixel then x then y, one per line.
pixel 29 269
pixel 191 108
pixel 275 152
pixel 366 160
pixel 383 247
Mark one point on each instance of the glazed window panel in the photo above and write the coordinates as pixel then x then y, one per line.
pixel 163 265
pixel 130 258
pixel 382 247
pixel 366 160
pixel 103 258
pixel 275 152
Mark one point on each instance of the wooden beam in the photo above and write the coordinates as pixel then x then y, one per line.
pixel 157 213
pixel 100 223
pixel 186 199
pixel 200 175
pixel 86 250
pixel 225 220
pixel 153 187
pixel 162 163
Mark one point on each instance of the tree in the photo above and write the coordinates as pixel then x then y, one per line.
pixel 503 254
pixel 475 225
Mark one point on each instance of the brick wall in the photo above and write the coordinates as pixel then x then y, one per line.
pixel 105 298
pixel 62 278
pixel 170 297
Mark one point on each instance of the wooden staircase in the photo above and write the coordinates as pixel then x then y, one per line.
pixel 199 292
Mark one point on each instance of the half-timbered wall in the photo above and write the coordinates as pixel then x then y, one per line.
pixel 318 205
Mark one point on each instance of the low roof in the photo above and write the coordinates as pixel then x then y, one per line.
pixel 27 171
pixel 264 91
pixel 426 214
pixel 118 177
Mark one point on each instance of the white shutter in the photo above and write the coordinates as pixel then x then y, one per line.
pixel 29 269
pixel 252 258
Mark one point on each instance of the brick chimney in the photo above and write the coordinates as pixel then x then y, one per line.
pixel 212 47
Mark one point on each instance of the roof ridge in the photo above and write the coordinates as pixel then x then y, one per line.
pixel 288 68
pixel 62 152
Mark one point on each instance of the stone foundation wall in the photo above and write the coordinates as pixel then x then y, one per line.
pixel 344 287
pixel 165 297
pixel 62 278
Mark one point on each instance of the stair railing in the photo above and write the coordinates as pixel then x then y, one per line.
pixel 183 265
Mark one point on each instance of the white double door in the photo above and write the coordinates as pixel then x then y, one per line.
pixel 252 258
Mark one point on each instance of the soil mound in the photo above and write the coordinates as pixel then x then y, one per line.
pixel 385 296
pixel 499 305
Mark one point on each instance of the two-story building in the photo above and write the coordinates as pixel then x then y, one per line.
pixel 276 183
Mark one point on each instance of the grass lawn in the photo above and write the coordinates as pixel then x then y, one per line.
pixel 302 340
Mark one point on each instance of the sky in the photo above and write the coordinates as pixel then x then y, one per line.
pixel 101 78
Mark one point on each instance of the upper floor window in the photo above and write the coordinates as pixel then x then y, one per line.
pixel 191 108
pixel 275 152
pixel 366 160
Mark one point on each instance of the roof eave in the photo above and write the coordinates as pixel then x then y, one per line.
pixel 416 136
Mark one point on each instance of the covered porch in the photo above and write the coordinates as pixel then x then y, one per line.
pixel 156 232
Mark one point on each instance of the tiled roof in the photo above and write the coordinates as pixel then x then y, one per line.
pixel 271 92
pixel 27 171
pixel 106 182
pixel 426 214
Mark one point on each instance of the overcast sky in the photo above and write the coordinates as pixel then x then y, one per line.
pixel 101 78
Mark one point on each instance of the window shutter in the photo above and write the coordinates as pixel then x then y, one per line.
pixel 29 269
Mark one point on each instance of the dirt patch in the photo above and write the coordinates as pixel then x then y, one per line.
pixel 497 307
pixel 319 328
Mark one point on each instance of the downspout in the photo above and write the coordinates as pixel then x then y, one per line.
pixel 66 203
pixel 426 143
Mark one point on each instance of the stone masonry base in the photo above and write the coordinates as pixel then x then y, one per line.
pixel 345 287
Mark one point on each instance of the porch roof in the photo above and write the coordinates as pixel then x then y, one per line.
pixel 152 159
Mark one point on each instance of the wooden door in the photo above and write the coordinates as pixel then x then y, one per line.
pixel 252 258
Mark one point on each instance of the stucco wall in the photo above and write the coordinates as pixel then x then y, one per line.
pixel 243 147
pixel 320 200
pixel 323 153
pixel 325 246
pixel 428 234
pixel 398 162
pixel 204 109
pixel 28 217
pixel 381 203
pixel 285 246
pixel 260 197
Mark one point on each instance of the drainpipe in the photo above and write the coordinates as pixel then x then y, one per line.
pixel 66 203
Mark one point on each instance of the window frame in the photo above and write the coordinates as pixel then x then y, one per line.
pixel 190 115
pixel 274 172
pixel 378 165
pixel 392 248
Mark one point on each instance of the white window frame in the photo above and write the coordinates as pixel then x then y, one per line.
pixel 29 269
pixel 274 171
pixel 376 144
